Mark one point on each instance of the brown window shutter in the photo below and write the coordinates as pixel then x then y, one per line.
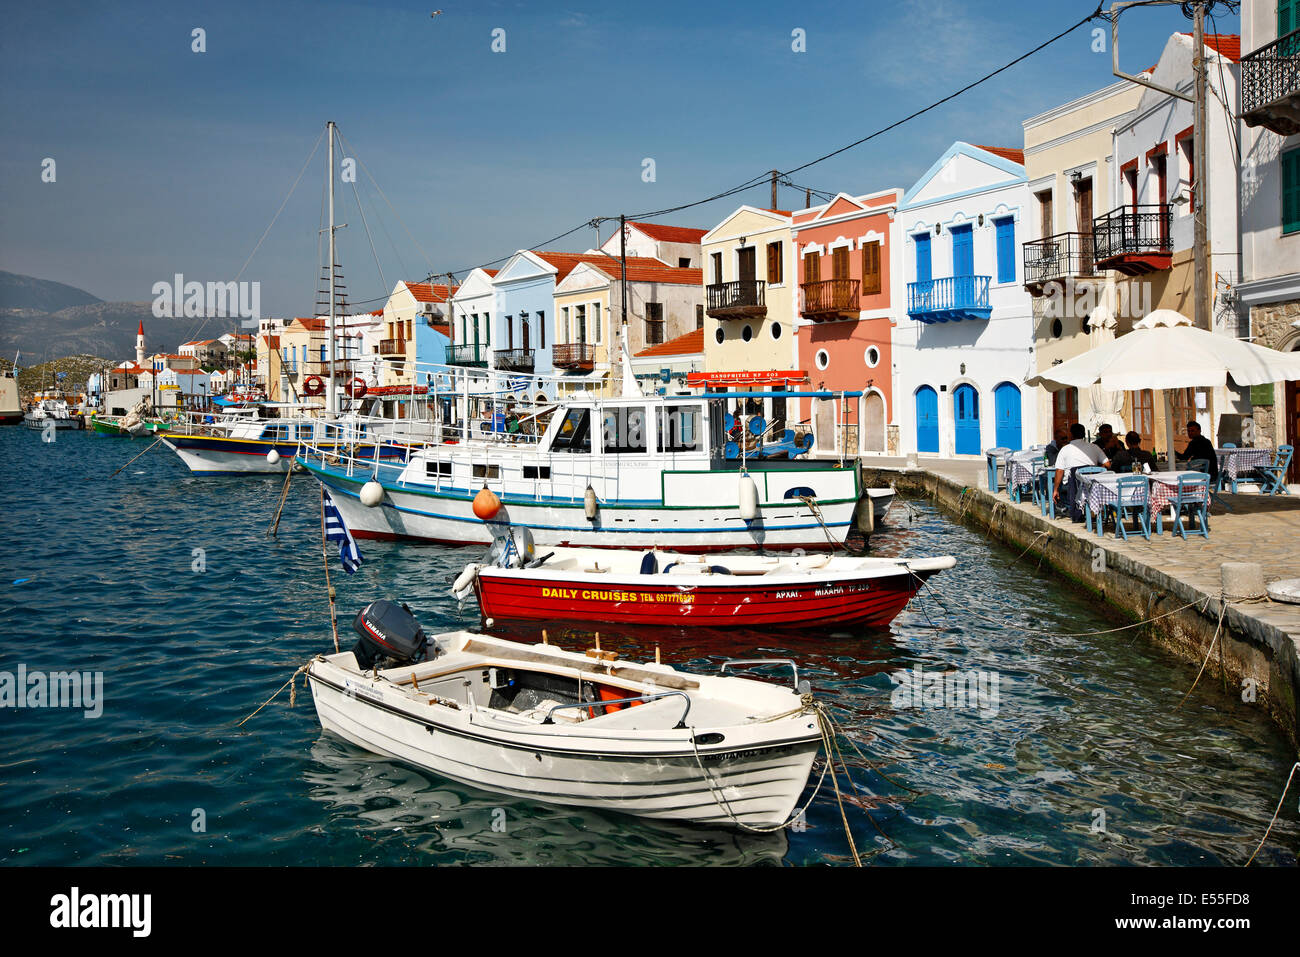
pixel 870 268
pixel 811 267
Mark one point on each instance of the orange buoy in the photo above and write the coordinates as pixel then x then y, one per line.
pixel 486 504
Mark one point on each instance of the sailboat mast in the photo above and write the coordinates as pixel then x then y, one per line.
pixel 332 402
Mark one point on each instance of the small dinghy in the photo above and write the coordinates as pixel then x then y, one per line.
pixel 516 582
pixel 538 722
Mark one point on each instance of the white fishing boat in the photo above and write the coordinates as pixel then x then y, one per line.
pixel 537 722
pixel 52 408
pixel 630 472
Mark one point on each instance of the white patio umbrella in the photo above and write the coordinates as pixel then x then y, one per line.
pixel 1106 405
pixel 1164 351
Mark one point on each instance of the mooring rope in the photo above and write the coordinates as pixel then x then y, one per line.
pixel 155 442
pixel 293 695
pixel 1276 811
pixel 1223 606
pixel 279 508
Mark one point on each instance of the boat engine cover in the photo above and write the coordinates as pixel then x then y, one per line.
pixel 390 636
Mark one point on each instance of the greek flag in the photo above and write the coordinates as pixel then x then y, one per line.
pixel 336 531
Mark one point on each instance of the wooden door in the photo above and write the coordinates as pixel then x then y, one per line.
pixel 966 418
pixel 927 420
pixel 1292 427
pixel 1065 409
pixel 1143 405
pixel 748 264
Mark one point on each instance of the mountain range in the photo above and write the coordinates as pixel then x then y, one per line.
pixel 45 319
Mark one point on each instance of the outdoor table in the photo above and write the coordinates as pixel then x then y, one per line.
pixel 1024 468
pixel 1164 489
pixel 1236 465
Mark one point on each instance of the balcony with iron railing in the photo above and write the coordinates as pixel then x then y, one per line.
pixel 1133 240
pixel 949 299
pixel 341 368
pixel 515 360
pixel 1057 259
pixel 574 355
pixel 1270 86
pixel 392 347
pixel 742 298
pixel 828 299
pixel 468 354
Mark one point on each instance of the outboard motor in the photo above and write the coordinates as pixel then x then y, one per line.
pixel 390 636
pixel 513 548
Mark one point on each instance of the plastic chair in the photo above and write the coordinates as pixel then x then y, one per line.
pixel 1228 445
pixel 1131 495
pixel 1193 494
pixel 1274 476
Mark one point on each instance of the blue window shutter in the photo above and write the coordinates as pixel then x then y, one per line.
pixel 1291 191
pixel 1006 236
pixel 923 257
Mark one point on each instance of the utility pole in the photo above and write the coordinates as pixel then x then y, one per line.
pixel 332 399
pixel 775 174
pixel 1200 181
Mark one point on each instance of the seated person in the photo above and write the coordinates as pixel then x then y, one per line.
pixel 1199 447
pixel 1060 440
pixel 1125 458
pixel 1079 453
pixel 1108 441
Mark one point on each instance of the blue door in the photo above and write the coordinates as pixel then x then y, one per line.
pixel 927 420
pixel 1006 413
pixel 922 257
pixel 966 415
pixel 963 251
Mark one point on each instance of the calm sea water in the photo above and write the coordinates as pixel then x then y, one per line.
pixel 1084 726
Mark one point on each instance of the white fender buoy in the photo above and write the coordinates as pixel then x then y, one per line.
pixel 273 457
pixel 461 586
pixel 590 504
pixel 748 498
pixel 866 514
pixel 372 493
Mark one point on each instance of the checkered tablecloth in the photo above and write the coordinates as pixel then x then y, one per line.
pixel 1022 469
pixel 1102 488
pixel 1237 463
pixel 1164 489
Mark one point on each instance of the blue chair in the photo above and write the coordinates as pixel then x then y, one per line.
pixel 1047 504
pixel 1087 510
pixel 997 459
pixel 1273 477
pixel 1228 445
pixel 1131 494
pixel 1192 495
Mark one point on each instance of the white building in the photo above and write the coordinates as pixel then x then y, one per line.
pixel 963 341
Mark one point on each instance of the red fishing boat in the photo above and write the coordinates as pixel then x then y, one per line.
pixel 664 588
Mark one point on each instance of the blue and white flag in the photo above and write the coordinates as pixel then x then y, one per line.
pixel 337 531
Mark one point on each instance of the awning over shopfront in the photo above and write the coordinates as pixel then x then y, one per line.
pixel 771 377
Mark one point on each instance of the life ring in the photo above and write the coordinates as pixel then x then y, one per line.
pixel 313 385
pixel 356 388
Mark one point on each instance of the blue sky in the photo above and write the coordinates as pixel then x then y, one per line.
pixel 174 161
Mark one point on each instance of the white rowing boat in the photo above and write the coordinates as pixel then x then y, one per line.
pixel 538 722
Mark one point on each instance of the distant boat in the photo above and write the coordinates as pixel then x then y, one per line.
pixel 11 409
pixel 52 407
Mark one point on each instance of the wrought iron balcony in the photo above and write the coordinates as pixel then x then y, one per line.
pixel 1270 86
pixel 1133 240
pixel 341 368
pixel 737 300
pixel 468 354
pixel 830 299
pixel 949 299
pixel 392 347
pixel 517 360
pixel 1057 258
pixel 573 355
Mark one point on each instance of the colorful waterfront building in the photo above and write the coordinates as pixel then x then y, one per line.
pixel 750 279
pixel 1071 174
pixel 473 308
pixel 1269 287
pixel 665 368
pixel 662 303
pixel 845 253
pixel 410 305
pixel 1147 235
pixel 964 340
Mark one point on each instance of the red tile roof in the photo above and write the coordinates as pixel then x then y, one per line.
pixel 424 292
pixel 670 234
pixel 1227 44
pixel 689 344
pixel 1016 156
pixel 566 262
pixel 669 275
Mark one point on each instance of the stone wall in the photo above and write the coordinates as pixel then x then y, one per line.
pixel 1272 326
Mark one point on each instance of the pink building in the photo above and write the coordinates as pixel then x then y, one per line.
pixel 845 255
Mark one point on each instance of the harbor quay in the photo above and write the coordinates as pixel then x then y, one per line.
pixel 1173 586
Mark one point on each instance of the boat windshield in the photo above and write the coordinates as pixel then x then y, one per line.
pixel 574 434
